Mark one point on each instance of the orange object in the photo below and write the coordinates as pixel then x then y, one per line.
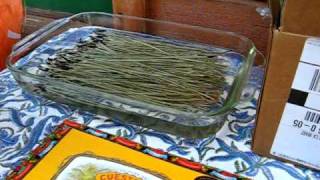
pixel 11 19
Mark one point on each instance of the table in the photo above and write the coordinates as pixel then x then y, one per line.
pixel 26 119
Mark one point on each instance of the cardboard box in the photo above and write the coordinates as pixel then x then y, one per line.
pixel 298 22
pixel 284 58
pixel 301 17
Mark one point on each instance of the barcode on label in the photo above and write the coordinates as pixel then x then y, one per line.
pixel 312 117
pixel 315 83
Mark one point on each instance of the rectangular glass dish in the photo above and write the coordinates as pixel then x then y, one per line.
pixel 171 77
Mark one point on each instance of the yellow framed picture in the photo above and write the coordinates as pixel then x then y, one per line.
pixel 77 152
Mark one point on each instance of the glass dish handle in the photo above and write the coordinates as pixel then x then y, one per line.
pixel 29 40
pixel 255 79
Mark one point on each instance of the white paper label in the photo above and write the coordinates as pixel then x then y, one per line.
pixel 311 51
pixel 313 101
pixel 298 135
pixel 307 78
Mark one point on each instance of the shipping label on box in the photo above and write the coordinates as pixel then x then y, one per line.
pixel 298 135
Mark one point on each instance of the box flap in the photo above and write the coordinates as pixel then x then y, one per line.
pixel 301 17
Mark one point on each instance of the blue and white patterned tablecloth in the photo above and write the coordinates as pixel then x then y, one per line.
pixel 25 120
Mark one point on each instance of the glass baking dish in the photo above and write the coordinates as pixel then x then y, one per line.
pixel 236 54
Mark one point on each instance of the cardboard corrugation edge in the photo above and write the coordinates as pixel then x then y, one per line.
pixel 262 91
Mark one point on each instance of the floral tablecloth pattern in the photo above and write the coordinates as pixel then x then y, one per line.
pixel 24 121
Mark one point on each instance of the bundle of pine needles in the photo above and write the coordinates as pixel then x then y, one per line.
pixel 149 70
